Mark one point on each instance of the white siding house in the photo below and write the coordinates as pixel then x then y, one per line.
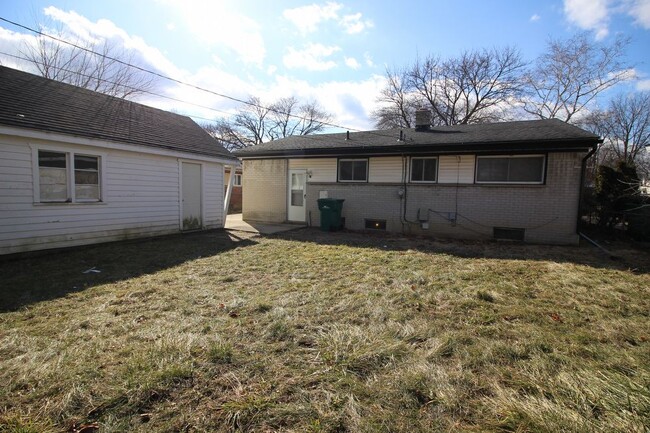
pixel 79 179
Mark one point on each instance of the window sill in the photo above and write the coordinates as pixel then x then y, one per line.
pixel 79 203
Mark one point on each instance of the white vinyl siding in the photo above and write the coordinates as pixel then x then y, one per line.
pixel 456 169
pixel 385 169
pixel 318 169
pixel 140 198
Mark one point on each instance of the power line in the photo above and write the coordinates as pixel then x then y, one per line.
pixel 157 74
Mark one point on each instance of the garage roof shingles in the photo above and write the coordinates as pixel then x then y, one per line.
pixel 34 102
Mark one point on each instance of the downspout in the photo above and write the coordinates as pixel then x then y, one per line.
pixel 231 181
pixel 583 169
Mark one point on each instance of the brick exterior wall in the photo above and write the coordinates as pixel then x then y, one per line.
pixel 548 213
pixel 265 183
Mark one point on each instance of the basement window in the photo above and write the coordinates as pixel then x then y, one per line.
pixel 373 224
pixel 508 233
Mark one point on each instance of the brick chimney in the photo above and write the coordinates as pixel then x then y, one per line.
pixel 422 119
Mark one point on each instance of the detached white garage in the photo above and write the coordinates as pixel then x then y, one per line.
pixel 79 167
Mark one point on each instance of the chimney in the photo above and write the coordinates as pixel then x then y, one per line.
pixel 422 119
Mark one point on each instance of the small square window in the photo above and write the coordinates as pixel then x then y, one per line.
pixel 353 170
pixel 424 169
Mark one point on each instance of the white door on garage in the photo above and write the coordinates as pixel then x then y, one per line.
pixel 191 196
pixel 297 195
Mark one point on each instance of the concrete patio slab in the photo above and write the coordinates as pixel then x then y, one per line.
pixel 235 222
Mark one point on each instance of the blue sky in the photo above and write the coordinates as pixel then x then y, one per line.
pixel 333 52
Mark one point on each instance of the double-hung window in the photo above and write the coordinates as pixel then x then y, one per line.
pixel 68 177
pixel 237 180
pixel 525 169
pixel 353 170
pixel 424 169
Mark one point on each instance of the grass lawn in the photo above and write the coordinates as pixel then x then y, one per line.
pixel 313 332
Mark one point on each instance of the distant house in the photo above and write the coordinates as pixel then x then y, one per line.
pixel 79 167
pixel 511 180
pixel 236 195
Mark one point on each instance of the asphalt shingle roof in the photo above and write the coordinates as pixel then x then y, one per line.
pixel 530 135
pixel 34 102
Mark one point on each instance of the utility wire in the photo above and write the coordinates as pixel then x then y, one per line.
pixel 166 77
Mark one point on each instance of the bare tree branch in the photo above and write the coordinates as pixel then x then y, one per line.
pixel 98 72
pixel 255 123
pixel 571 74
pixel 472 88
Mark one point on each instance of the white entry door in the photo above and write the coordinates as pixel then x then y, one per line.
pixel 297 195
pixel 191 197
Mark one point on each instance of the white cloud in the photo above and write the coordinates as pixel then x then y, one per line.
pixel 350 102
pixel 354 24
pixel 640 11
pixel 535 17
pixel 307 18
pixel 214 24
pixel 271 69
pixel 589 15
pixel 311 58
pixel 643 85
pixel 368 59
pixel 171 26
pixel 351 62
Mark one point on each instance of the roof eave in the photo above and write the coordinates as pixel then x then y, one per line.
pixel 563 145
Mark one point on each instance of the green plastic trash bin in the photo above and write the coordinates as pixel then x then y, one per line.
pixel 330 213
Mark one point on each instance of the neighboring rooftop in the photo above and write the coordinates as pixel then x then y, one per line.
pixel 33 102
pixel 527 135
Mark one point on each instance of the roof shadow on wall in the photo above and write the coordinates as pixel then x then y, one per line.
pixel 54 274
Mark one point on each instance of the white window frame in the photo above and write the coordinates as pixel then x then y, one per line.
pixel 338 170
pixel 237 180
pixel 70 186
pixel 513 182
pixel 423 157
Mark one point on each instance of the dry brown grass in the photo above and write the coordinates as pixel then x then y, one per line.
pixel 325 333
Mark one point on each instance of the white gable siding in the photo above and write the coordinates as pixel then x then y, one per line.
pixel 322 169
pixel 140 198
pixel 385 169
pixel 456 168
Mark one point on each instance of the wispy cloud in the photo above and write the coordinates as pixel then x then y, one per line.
pixel 308 18
pixel 640 11
pixel 643 85
pixel 355 23
pixel 535 17
pixel 352 63
pixel 591 15
pixel 312 58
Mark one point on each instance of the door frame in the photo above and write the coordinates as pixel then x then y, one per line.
pixel 201 193
pixel 304 202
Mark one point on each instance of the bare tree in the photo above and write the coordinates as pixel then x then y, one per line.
pixel 625 128
pixel 289 117
pixel 98 66
pixel 571 74
pixel 476 87
pixel 256 123
pixel 397 103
